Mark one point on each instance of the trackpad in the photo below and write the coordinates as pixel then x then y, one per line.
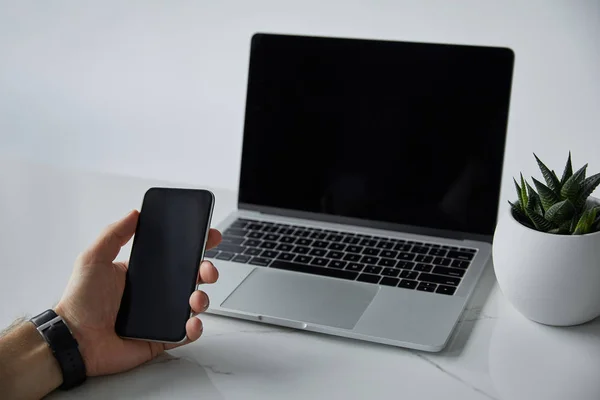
pixel 302 297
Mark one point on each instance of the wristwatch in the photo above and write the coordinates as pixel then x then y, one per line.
pixel 65 348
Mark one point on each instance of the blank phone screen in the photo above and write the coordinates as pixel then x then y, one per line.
pixel 163 268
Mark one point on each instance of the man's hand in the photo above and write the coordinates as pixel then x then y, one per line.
pixel 91 301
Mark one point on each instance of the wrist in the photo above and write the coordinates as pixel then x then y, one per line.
pixel 26 358
pixel 75 329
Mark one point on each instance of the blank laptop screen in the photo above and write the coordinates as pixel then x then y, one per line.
pixel 403 133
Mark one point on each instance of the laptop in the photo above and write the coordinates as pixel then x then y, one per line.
pixel 369 187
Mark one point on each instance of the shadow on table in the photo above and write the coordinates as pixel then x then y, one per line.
pixel 528 360
pixel 166 377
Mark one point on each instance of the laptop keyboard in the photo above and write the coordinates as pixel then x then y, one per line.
pixel 408 264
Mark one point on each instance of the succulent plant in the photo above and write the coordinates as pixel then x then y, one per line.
pixel 560 206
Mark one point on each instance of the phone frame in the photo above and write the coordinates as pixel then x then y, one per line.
pixel 203 250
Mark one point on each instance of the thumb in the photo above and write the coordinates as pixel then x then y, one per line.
pixel 113 237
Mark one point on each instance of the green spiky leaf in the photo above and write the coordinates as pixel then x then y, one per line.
pixel 567 172
pixel 521 193
pixel 547 195
pixel 560 212
pixel 524 197
pixel 587 187
pixel 540 222
pixel 519 213
pixel 549 176
pixel 534 203
pixel 572 186
pixel 585 222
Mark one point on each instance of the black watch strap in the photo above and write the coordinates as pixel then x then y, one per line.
pixel 64 347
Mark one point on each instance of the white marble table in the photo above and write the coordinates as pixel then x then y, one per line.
pixel 48 215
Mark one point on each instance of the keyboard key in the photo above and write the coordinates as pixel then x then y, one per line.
pixel 449 290
pixel 390 272
pixel 385 245
pixel 225 256
pixel 233 240
pixel 407 284
pixel 354 249
pixel 460 264
pixel 251 251
pixel 406 256
pixel 286 256
pixel 459 273
pixel 301 250
pixel 321 244
pixel 269 254
pixel 352 257
pixel 420 249
pixel 318 235
pixel 389 254
pixel 230 248
pixel 235 232
pixel 302 233
pixel 241 259
pixel 461 255
pixel 263 262
pixel 351 240
pixel 337 264
pixel 437 252
pixel 255 235
pixel 444 280
pixel 268 245
pixel 467 250
pixel 287 239
pixel 371 269
pixel 272 237
pixel 211 253
pixel 335 254
pixel 405 264
pixel 270 229
pixel 368 278
pixel 371 251
pixel 368 242
pixel 442 261
pixel 409 274
pixel 254 227
pixel 369 260
pixel 355 267
pixel 402 247
pixel 286 231
pixel 389 281
pixel 426 287
pixel 337 246
pixel 302 259
pixel 310 269
pixel 252 243
pixel 304 242
pixel 423 267
pixel 424 258
pixel 318 252
pixel 321 262
pixel 335 238
pixel 387 262
pixel 285 247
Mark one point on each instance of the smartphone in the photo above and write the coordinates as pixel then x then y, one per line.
pixel 168 246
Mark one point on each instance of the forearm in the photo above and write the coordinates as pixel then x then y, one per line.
pixel 28 369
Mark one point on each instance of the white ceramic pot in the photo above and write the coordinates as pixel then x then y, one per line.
pixel 551 279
